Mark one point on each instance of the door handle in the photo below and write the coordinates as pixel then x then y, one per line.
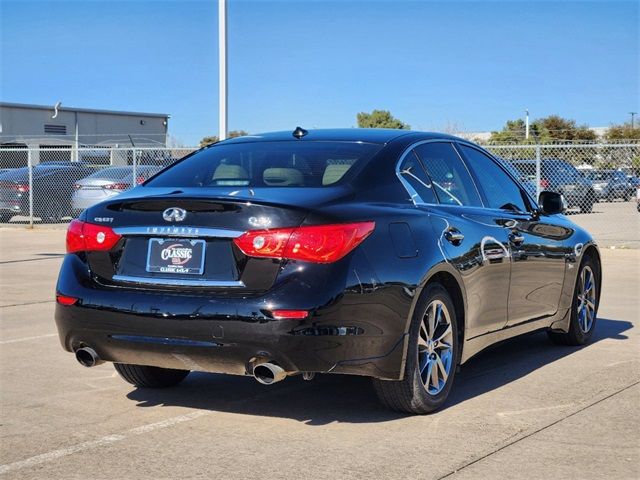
pixel 516 239
pixel 454 236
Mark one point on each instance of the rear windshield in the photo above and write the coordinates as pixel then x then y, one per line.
pixel 267 165
pixel 117 173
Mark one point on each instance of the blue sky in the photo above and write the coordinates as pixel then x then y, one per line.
pixel 472 65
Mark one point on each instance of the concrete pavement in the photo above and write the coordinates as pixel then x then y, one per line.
pixel 525 409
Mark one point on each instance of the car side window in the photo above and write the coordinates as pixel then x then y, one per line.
pixel 452 182
pixel 413 174
pixel 499 189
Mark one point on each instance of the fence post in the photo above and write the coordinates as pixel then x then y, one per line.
pixel 135 169
pixel 537 172
pixel 30 168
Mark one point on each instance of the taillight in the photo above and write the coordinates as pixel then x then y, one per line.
pixel 117 186
pixel 16 187
pixel 65 300
pixel 86 237
pixel 290 314
pixel 77 187
pixel 316 244
pixel 140 179
pixel 544 183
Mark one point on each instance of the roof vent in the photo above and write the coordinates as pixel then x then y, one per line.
pixel 55 129
pixel 299 132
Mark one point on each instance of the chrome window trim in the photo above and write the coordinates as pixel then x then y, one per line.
pixel 179 282
pixel 412 191
pixel 178 231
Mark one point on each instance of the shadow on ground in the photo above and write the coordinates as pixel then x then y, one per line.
pixel 351 399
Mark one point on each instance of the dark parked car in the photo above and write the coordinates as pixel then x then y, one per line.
pixel 391 254
pixel 610 184
pixel 52 187
pixel 561 177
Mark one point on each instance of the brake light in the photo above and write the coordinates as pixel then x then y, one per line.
pixel 86 237
pixel 315 244
pixel 19 187
pixel 140 179
pixel 64 300
pixel 77 187
pixel 289 314
pixel 116 186
pixel 544 183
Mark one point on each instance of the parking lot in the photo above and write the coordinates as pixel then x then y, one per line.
pixel 525 406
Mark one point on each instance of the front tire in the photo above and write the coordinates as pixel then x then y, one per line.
pixel 150 377
pixel 432 357
pixel 584 308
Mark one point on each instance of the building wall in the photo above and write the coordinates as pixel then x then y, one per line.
pixel 27 125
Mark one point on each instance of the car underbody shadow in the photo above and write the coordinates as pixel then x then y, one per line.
pixel 351 399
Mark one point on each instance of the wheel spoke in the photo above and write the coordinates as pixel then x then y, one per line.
pixel 426 376
pixel 435 381
pixel 443 371
pixel 446 332
pixel 431 319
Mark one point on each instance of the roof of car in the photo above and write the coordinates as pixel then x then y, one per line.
pixel 370 135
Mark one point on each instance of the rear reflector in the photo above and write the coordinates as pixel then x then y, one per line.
pixel 315 244
pixel 85 237
pixel 64 300
pixel 290 314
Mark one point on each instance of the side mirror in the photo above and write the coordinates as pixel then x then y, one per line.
pixel 551 203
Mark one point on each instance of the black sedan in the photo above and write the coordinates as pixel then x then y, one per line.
pixel 386 253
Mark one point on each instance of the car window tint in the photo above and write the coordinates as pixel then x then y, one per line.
pixel 451 180
pixel 282 164
pixel 413 173
pixel 499 189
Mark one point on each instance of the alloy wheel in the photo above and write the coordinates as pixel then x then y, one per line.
pixel 586 299
pixel 435 347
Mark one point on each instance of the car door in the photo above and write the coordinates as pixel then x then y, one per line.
pixel 470 237
pixel 536 242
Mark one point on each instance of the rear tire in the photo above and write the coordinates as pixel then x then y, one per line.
pixel 587 203
pixel 150 377
pixel 432 346
pixel 5 217
pixel 584 308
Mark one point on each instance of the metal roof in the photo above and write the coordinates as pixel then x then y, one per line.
pixel 62 108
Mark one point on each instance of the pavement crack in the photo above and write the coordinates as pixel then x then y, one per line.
pixel 535 432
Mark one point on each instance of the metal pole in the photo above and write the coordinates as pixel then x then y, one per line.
pixel 633 114
pixel 222 68
pixel 76 139
pixel 538 161
pixel 134 173
pixel 526 123
pixel 30 165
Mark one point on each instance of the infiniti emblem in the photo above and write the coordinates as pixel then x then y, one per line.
pixel 174 214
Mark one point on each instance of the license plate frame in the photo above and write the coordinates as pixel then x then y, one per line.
pixel 184 256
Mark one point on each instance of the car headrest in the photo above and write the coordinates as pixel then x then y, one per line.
pixel 333 173
pixel 285 177
pixel 230 175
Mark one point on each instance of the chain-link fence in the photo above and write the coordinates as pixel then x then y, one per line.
pixel 53 185
pixel 47 185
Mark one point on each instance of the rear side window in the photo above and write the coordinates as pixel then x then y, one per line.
pixel 414 176
pixel 499 189
pixel 267 165
pixel 452 182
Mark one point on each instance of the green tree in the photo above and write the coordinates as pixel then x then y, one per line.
pixel 551 129
pixel 622 132
pixel 380 119
pixel 214 139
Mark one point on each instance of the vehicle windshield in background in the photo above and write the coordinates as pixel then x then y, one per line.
pixel 111 173
pixel 267 165
pixel 599 176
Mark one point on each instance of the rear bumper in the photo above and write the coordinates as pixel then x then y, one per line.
pixel 229 334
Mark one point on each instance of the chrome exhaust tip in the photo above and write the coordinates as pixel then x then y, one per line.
pixel 268 373
pixel 87 357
